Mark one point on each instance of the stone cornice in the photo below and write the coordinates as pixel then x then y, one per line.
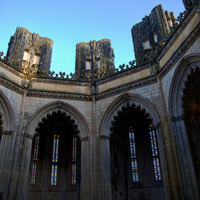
pixel 58 95
pixel 123 73
pixel 10 68
pixel 177 55
pixel 62 81
pixel 10 85
pixel 124 88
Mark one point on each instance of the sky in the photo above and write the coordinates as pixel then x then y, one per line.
pixel 68 22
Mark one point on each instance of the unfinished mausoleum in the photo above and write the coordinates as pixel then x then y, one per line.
pixel 104 132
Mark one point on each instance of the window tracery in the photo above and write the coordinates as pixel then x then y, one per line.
pixel 35 159
pixel 134 166
pixel 155 155
pixel 54 168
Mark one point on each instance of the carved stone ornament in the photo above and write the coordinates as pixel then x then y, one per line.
pixel 25 83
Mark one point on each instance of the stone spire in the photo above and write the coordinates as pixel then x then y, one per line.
pixel 26 49
pixel 94 56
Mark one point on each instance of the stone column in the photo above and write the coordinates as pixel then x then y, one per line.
pixel 6 148
pixel 105 166
pixel 185 158
pixel 25 167
pixel 85 169
pixel 172 172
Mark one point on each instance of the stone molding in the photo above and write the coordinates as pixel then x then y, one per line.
pixel 182 49
pixel 57 95
pixel 10 68
pixel 11 85
pixel 123 73
pixel 124 88
pixel 62 81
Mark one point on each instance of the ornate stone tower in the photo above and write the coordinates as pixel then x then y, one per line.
pixel 149 34
pixel 26 49
pixel 94 56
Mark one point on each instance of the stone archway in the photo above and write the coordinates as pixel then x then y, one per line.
pixel 34 125
pixel 135 167
pixel 7 113
pixel 191 107
pixel 7 137
pixel 183 94
pixel 106 135
pixel 55 161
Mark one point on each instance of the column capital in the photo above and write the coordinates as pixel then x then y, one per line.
pixel 27 135
pixel 7 132
pixel 86 138
pixel 104 137
pixel 177 118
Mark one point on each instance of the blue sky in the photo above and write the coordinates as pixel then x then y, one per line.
pixel 68 22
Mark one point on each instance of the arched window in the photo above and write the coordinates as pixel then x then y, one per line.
pixel 35 159
pixel 135 164
pixel 55 161
pixel 154 150
pixel 155 154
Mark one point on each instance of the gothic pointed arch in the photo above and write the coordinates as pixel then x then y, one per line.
pixel 184 111
pixel 6 112
pixel 55 164
pixel 63 107
pixel 132 126
pixel 121 101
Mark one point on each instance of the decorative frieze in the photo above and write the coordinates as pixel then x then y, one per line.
pixel 57 95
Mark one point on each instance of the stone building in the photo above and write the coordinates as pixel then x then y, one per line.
pixel 122 134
